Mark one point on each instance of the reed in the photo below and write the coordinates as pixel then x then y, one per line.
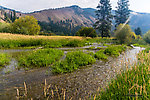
pixel 130 84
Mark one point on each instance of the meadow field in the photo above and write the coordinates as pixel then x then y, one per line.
pixel 65 55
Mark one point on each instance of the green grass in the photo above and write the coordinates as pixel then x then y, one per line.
pixel 103 40
pixel 133 84
pixel 48 43
pixel 115 50
pixel 4 59
pixel 73 61
pixel 40 58
pixel 100 55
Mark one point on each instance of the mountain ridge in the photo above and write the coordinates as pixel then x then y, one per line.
pixel 84 16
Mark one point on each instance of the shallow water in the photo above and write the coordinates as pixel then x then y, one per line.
pixel 79 84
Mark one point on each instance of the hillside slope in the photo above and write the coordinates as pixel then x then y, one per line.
pixel 75 14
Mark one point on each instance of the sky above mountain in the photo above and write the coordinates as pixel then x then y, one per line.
pixel 35 5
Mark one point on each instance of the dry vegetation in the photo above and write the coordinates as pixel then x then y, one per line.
pixel 18 36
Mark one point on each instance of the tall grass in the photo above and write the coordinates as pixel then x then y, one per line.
pixel 40 58
pixel 132 84
pixel 12 41
pixel 103 40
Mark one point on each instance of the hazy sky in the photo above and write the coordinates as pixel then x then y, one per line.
pixel 34 5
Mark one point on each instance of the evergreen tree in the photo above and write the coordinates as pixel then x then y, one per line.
pixel 5 16
pixel 122 13
pixel 138 31
pixel 104 18
pixel 11 17
pixel 14 16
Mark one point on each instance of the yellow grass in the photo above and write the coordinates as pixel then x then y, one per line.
pixel 18 36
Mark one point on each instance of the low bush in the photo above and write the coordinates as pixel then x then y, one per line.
pixel 40 58
pixel 124 34
pixel 76 43
pixel 4 60
pixel 114 50
pixel 73 61
pixel 146 37
pixel 100 55
pixel 87 32
pixel 103 40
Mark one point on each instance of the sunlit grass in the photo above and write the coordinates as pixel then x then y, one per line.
pixel 10 36
pixel 39 58
pixel 132 84
pixel 4 59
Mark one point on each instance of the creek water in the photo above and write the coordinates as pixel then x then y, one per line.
pixel 82 83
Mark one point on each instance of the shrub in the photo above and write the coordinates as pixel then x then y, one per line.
pixel 40 58
pixel 26 25
pixel 114 50
pixel 124 34
pixel 87 31
pixel 146 37
pixel 4 60
pixel 73 61
pixel 100 55
pixel 5 27
pixel 75 43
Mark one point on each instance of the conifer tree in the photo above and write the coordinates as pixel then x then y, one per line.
pixel 14 16
pixel 104 18
pixel 122 13
pixel 11 16
pixel 138 31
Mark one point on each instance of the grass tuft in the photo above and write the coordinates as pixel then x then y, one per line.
pixel 73 61
pixel 40 58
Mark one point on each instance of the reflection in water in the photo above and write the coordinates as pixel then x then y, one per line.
pixel 79 84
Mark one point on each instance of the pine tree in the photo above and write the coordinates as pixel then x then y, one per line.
pixel 122 13
pixel 138 31
pixel 104 18
pixel 11 16
pixel 5 16
pixel 14 16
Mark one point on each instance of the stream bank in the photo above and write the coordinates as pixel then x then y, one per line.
pixel 79 84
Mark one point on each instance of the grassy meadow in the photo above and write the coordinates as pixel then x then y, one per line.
pixel 14 40
pixel 134 83
pixel 8 40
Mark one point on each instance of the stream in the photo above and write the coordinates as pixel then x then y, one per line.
pixel 82 83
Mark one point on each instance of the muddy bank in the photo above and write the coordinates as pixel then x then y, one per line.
pixel 79 84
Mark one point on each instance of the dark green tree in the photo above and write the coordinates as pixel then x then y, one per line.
pixel 104 18
pixel 5 16
pixel 138 31
pixel 14 16
pixel 11 16
pixel 87 32
pixel 122 13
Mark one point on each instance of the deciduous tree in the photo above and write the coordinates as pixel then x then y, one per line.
pixel 26 25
